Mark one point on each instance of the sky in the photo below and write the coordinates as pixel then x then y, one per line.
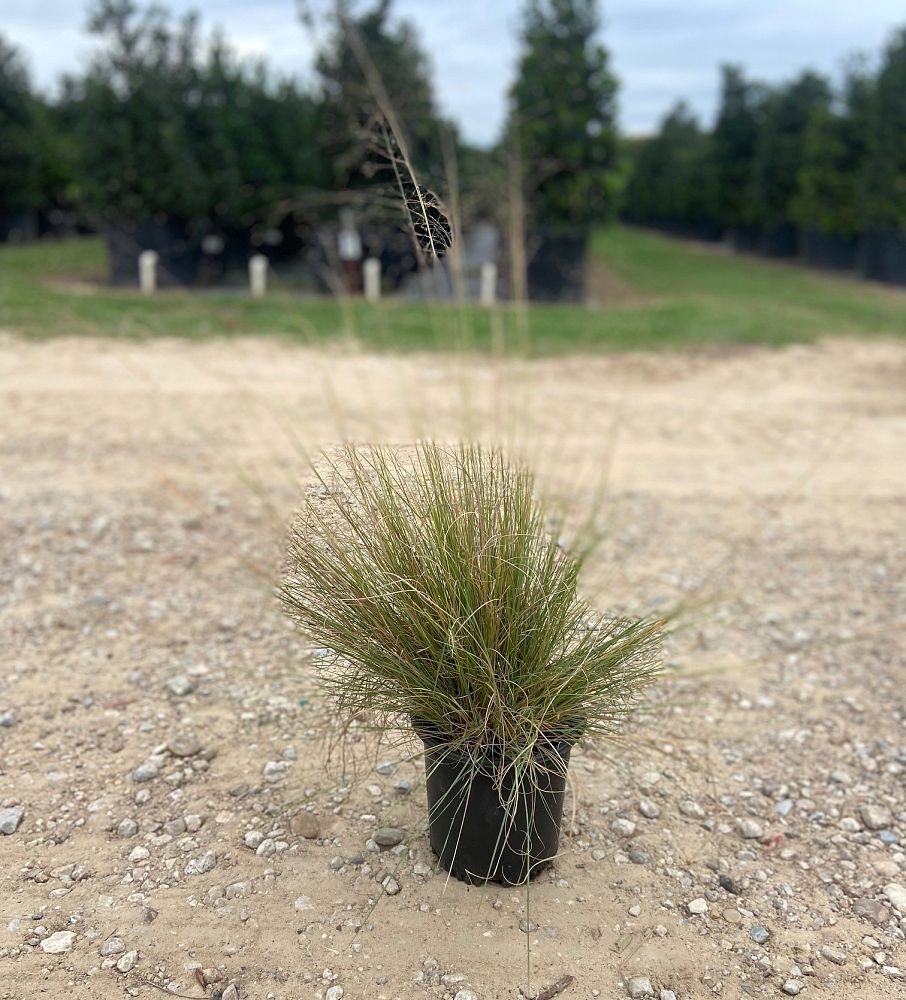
pixel 661 50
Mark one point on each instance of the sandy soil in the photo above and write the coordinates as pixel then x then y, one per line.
pixel 143 495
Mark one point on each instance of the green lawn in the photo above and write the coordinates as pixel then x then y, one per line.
pixel 681 296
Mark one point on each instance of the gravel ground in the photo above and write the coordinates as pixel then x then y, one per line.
pixel 175 814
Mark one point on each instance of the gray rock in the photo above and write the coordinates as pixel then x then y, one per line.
pixel 748 828
pixel 230 993
pixel 334 993
pixel 872 910
pixel 639 857
pixel 127 962
pixel 888 837
pixel 690 808
pixel 180 686
pixel 667 995
pixel 649 809
pixel 697 906
pixel 875 817
pixel 7 720
pixel 127 828
pixel 639 988
pixel 623 827
pixel 10 818
pixel 202 864
pixel 113 946
pixel 275 770
pixel 388 836
pixel 784 807
pixel 183 746
pixel 386 767
pixel 896 894
pixel 833 954
pixel 147 771
pixel 253 839
pixel 58 943
pixel 304 824
pixel 792 987
pixel 759 934
pixel 465 995
pixel 391 886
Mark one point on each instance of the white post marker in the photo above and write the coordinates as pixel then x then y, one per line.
pixel 487 289
pixel 372 274
pixel 258 275
pixel 147 271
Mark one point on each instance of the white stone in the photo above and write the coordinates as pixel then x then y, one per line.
pixel 58 943
pixel 10 819
pixel 897 895
pixel 640 987
pixel 749 829
pixel 202 864
pixel 127 962
pixel 697 906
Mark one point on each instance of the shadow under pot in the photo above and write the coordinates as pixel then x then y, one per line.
pixel 483 831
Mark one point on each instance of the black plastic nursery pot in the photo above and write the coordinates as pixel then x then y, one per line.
pixel 475 835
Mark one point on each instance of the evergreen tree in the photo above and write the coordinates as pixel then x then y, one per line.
pixel 351 101
pixel 734 142
pixel 829 199
pixel 19 162
pixel 780 148
pixel 884 179
pixel 673 184
pixel 562 118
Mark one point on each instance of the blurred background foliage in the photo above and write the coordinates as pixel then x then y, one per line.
pixel 169 136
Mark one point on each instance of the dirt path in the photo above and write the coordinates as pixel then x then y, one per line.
pixel 183 824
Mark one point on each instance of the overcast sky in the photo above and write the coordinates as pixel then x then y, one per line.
pixel 662 50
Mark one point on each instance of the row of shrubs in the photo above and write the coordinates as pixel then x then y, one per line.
pixel 169 141
pixel 799 170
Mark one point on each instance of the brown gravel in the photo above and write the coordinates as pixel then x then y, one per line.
pixel 143 494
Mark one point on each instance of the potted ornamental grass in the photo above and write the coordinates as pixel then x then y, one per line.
pixel 454 615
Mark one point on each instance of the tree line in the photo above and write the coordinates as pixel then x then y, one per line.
pixel 803 169
pixel 167 136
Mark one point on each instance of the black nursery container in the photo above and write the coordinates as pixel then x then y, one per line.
pixel 478 839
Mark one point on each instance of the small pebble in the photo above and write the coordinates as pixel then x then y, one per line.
pixel 792 987
pixel 10 818
pixel 649 809
pixel 127 828
pixel 749 829
pixel 640 988
pixel 759 934
pixel 180 686
pixel 875 817
pixel 388 836
pixel 127 962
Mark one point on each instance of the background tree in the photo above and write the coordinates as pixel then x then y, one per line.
pixel 563 116
pixel 884 179
pixel 19 158
pixel 673 184
pixel 830 201
pixel 734 142
pixel 350 105
pixel 779 154
pixel 562 143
